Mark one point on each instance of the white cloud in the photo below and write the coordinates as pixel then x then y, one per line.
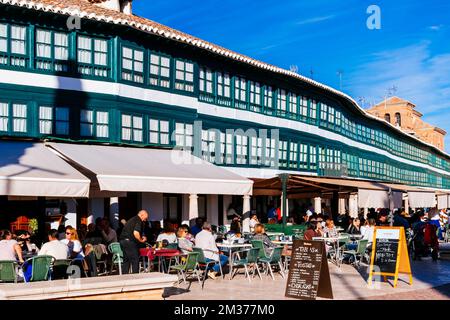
pixel 436 27
pixel 420 77
pixel 315 19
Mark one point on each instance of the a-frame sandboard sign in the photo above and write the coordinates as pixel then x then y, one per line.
pixel 389 254
pixel 309 276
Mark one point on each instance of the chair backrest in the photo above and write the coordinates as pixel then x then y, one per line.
pixel 362 245
pixel 191 261
pixel 40 267
pixel 117 252
pixel 252 255
pixel 172 246
pixel 276 254
pixel 260 245
pixel 201 255
pixel 8 271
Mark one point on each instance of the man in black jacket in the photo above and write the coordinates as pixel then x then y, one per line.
pixel 132 235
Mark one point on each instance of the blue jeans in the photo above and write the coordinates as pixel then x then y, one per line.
pixel 352 246
pixel 223 261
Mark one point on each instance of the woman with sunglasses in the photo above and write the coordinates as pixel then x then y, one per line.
pixel 184 243
pixel 73 243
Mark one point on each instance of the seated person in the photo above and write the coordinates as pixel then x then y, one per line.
pixel 73 243
pixel 354 227
pixel 167 234
pixel 260 234
pixel 24 240
pixel 253 221
pixel 9 248
pixel 205 240
pixel 183 242
pixel 314 230
pixel 330 230
pixel 54 247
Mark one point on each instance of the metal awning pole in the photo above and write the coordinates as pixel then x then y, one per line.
pixel 284 180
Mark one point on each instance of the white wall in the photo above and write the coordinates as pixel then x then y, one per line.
pixel 153 203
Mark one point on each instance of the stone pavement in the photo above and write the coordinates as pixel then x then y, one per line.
pixel 348 283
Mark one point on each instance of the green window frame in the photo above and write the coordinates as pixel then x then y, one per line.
pixel 323 114
pixel 331 117
pixel 93 54
pixel 255 96
pixel 303 108
pixel 281 102
pixel 268 100
pixel 223 84
pixel 240 92
pixel 209 140
pixel 184 136
pixel 94 123
pixel 283 153
pixel 293 105
pixel 313 109
pixel 53 120
pixel 206 81
pixel 51 50
pixel 312 157
pixel 159 71
pixel 241 143
pixel 133 64
pixel 293 155
pixel 159 131
pixel 132 127
pixel 13 45
pixel 184 75
pixel 256 150
pixel 14 118
pixel 303 156
pixel 269 153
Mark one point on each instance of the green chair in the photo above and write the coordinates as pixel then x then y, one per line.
pixel 203 263
pixel 117 258
pixel 8 270
pixel 260 245
pixel 274 259
pixel 40 267
pixel 251 260
pixel 190 265
pixel 59 269
pixel 359 253
pixel 172 246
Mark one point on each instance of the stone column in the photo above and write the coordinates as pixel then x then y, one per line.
pixel 246 214
pixel 114 212
pixel 318 205
pixel 406 205
pixel 341 206
pixel 193 206
pixel 366 211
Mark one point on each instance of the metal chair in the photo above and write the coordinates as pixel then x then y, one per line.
pixel 59 269
pixel 40 267
pixel 274 259
pixel 251 260
pixel 358 253
pixel 117 258
pixel 202 262
pixel 190 265
pixel 8 271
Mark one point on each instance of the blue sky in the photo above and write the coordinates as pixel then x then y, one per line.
pixel 411 50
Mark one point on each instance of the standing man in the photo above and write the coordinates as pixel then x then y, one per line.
pixel 132 235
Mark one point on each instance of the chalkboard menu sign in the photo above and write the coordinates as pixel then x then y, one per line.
pixel 386 249
pixel 309 276
pixel 389 254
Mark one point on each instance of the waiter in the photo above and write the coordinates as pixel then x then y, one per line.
pixel 130 238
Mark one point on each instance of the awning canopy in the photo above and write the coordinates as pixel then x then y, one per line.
pixel 153 170
pixel 31 170
pixel 421 199
pixel 373 198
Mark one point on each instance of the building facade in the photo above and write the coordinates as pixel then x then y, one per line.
pixel 402 113
pixel 78 72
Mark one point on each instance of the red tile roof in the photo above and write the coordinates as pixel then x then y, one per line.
pixel 85 9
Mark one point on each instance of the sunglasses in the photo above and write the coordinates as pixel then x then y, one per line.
pixel 68 233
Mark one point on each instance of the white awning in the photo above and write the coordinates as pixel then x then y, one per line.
pixel 31 170
pixel 396 200
pixel 442 201
pixel 373 198
pixel 421 199
pixel 153 170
